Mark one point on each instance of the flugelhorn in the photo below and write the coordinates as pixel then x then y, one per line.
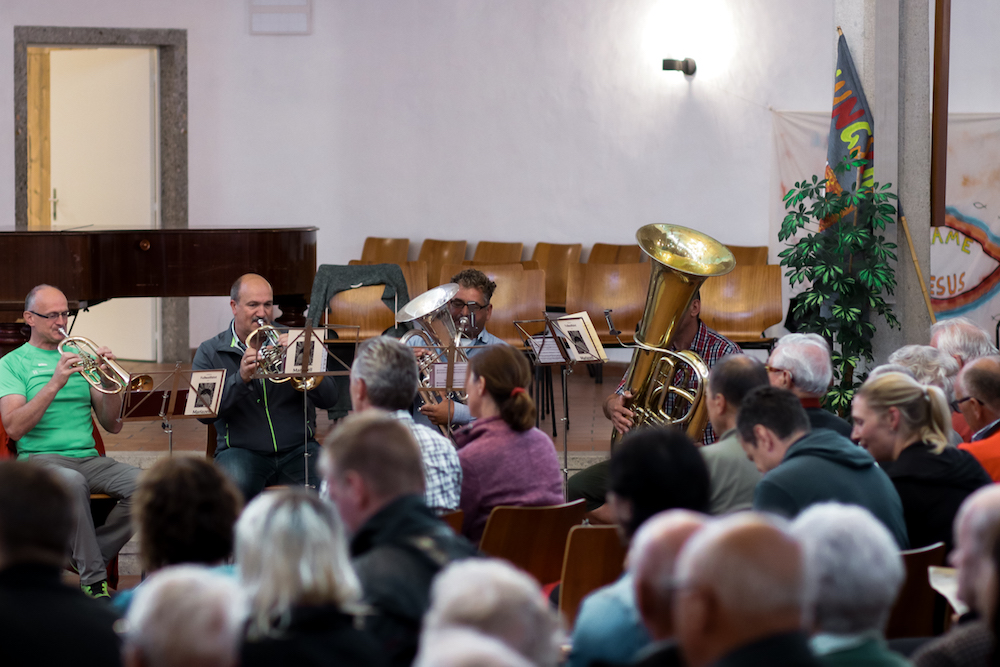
pixel 271 356
pixel 97 369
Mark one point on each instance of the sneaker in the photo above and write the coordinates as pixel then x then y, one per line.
pixel 98 590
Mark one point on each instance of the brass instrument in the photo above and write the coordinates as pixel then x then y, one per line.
pixel 682 259
pixel 98 370
pixel 271 357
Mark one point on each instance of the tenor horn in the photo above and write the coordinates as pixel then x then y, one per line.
pixel 682 259
pixel 271 357
pixel 104 374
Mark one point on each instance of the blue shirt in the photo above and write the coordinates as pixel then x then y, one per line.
pixel 608 626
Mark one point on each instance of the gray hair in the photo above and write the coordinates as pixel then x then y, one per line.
pixel 290 546
pixel 853 568
pixel 186 615
pixel 928 365
pixel 961 337
pixel 389 371
pixel 497 599
pixel 464 647
pixel 807 358
pixel 747 587
pixel 29 301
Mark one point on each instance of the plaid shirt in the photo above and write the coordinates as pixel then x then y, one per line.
pixel 710 346
pixel 442 470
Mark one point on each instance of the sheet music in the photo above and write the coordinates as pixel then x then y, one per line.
pixel 546 349
pixel 208 386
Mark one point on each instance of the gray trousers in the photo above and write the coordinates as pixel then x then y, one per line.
pixel 93 549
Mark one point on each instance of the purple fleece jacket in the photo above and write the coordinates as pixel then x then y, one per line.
pixel 503 467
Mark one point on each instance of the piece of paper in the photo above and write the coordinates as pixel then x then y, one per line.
pixel 945 581
pixel 439 376
pixel 207 394
pixel 581 338
pixel 546 349
pixel 296 347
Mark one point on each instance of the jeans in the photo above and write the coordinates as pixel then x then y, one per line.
pixel 251 471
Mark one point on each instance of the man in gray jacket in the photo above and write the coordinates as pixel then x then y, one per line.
pixel 261 426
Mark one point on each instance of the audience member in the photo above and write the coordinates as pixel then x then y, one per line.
pixel 385 376
pixel 804 467
pixel 904 425
pixel 653 469
pixel 738 595
pixel 651 561
pixel 185 616
pixel 801 364
pixel 373 471
pixel 42 620
pixel 505 459
pixel 978 398
pixel 185 510
pixel 464 647
pixel 970 642
pixel 493 597
pixel 961 339
pixel 291 554
pixel 853 575
pixel 929 365
pixel 732 476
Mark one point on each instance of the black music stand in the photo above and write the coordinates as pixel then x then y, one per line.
pixel 174 395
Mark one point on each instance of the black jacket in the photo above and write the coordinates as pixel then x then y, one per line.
pixel 259 415
pixel 397 553
pixel 932 486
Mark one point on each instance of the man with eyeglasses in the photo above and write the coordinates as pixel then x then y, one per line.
pixel 977 396
pixel 471 309
pixel 45 405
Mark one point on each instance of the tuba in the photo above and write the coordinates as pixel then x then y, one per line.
pixel 105 375
pixel 271 357
pixel 682 259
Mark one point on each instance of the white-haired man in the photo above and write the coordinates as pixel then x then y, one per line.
pixel 497 599
pixel 962 339
pixel 185 616
pixel 853 575
pixel 976 527
pixel 739 592
pixel 801 364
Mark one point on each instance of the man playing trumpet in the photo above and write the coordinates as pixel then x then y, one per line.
pixel 261 428
pixel 45 405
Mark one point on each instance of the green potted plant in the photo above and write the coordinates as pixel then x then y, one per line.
pixel 838 250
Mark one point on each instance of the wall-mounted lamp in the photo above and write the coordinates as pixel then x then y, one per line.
pixel 687 65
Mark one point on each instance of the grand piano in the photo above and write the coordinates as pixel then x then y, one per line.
pixel 94 266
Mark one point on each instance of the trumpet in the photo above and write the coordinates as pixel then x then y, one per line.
pixel 271 356
pixel 105 375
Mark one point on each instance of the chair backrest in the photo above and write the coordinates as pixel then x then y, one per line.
pixel 454 520
pixel 437 254
pixel 620 287
pixel 555 260
pixel 415 274
pixel 492 271
pixel 520 295
pixel 595 557
pixel 532 538
pixel 526 264
pixel 495 252
pixel 744 302
pixel 913 613
pixel 362 306
pixel 385 251
pixel 606 253
pixel 747 255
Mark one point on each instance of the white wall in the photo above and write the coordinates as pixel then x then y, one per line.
pixel 532 120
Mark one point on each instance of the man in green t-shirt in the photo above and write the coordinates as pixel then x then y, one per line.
pixel 45 405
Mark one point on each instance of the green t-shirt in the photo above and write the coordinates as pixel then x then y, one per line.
pixel 66 427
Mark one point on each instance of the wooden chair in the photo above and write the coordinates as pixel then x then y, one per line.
pixel 494 252
pixel 743 303
pixel 532 538
pixel 913 613
pixel 437 254
pixel 606 253
pixel 491 270
pixel 620 287
pixel 748 255
pixel 454 520
pixel 595 557
pixel 526 264
pixel 385 251
pixel 520 295
pixel 415 274
pixel 555 259
pixel 362 306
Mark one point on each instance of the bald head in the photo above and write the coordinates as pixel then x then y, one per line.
pixel 977 525
pixel 980 379
pixel 651 561
pixel 45 312
pixel 252 300
pixel 741 580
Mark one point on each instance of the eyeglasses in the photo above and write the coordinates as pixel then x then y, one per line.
pixel 955 404
pixel 51 316
pixel 457 305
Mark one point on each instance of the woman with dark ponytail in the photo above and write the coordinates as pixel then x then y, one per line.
pixel 505 459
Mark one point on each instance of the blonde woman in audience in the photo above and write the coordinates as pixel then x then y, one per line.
pixel 291 556
pixel 505 459
pixel 905 426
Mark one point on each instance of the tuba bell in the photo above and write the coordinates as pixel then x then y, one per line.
pixel 682 259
